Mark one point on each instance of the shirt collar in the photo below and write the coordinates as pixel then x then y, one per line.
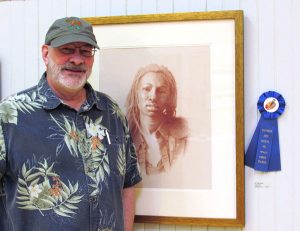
pixel 161 134
pixel 52 101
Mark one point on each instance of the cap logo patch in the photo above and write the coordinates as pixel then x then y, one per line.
pixel 73 24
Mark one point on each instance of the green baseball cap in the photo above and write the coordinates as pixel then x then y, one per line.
pixel 68 30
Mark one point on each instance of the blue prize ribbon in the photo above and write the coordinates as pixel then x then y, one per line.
pixel 263 153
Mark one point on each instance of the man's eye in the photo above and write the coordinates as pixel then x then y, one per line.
pixel 162 91
pixel 86 52
pixel 67 50
pixel 147 88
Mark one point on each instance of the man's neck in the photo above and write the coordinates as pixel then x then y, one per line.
pixel 150 124
pixel 74 100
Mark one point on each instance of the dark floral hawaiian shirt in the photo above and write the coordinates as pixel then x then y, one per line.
pixel 62 169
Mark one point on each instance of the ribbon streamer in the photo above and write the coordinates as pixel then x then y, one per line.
pixel 263 153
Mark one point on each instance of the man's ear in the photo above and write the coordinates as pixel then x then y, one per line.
pixel 45 52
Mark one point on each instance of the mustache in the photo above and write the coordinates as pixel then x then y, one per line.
pixel 73 67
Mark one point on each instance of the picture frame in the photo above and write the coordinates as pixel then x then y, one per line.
pixel 204 51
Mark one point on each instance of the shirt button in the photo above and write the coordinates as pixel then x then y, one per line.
pixel 93 199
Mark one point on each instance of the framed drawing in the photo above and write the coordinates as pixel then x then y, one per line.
pixel 179 79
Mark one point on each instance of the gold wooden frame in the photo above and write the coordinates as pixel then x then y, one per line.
pixel 237 16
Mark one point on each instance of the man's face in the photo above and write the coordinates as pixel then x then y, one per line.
pixel 68 66
pixel 153 93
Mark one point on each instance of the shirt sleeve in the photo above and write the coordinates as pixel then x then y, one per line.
pixel 132 175
pixel 2 153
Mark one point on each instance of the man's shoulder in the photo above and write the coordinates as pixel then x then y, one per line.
pixel 176 127
pixel 26 101
pixel 30 92
pixel 105 99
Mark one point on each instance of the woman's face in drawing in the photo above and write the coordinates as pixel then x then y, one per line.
pixel 153 93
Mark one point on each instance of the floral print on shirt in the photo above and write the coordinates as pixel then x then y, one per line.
pixel 9 112
pixel 64 169
pixel 86 144
pixel 35 192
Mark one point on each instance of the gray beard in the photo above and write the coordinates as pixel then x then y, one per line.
pixel 54 70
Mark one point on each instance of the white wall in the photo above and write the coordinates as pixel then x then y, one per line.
pixel 272 62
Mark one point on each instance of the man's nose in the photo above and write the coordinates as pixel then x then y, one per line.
pixel 153 94
pixel 77 58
